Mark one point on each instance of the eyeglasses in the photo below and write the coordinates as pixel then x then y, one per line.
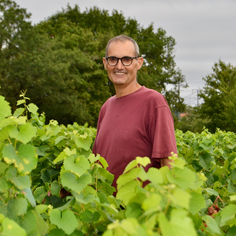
pixel 126 61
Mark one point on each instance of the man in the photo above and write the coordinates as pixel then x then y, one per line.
pixel 136 121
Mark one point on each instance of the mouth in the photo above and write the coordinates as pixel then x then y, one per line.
pixel 120 73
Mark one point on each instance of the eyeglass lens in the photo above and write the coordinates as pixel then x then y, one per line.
pixel 126 61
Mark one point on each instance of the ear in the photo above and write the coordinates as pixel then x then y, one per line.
pixel 140 62
pixel 104 62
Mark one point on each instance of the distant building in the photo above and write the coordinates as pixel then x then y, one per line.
pixel 182 115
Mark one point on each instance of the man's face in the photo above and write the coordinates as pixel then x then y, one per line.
pixel 121 75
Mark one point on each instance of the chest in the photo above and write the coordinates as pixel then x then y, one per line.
pixel 123 124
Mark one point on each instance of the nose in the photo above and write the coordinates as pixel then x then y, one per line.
pixel 119 64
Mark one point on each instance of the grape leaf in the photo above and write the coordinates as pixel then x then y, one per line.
pixel 179 224
pixel 64 220
pixel 25 159
pixel 25 133
pixel 182 177
pixel 197 202
pixel 227 214
pixel 10 227
pixel 16 207
pixel 76 164
pixel 205 160
pixel 212 226
pixel 21 182
pixel 75 183
pixel 82 142
pixel 4 108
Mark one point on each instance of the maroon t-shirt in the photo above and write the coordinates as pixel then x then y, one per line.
pixel 138 124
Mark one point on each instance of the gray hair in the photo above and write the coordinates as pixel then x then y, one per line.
pixel 123 38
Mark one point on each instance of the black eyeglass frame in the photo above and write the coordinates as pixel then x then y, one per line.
pixel 121 58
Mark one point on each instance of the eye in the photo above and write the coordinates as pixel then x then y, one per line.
pixel 112 59
pixel 126 59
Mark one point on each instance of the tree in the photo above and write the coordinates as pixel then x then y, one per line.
pixel 60 75
pixel 216 96
pixel 230 110
pixel 59 62
pixel 159 69
pixel 191 121
pixel 15 30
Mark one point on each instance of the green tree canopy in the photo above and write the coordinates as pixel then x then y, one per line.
pixel 230 110
pixel 15 30
pixel 59 61
pixel 219 97
pixel 159 69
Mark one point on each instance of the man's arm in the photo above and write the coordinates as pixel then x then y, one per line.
pixel 166 162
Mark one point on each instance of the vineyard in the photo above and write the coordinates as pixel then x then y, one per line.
pixel 51 183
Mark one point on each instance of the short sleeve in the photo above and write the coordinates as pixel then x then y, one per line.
pixel 161 129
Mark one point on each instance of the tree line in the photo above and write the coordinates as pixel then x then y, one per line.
pixel 59 63
pixel 218 109
pixel 59 60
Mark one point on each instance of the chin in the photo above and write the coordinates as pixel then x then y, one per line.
pixel 119 81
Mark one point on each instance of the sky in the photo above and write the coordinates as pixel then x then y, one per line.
pixel 204 30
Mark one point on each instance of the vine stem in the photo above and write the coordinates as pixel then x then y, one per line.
pixel 167 206
pixel 9 140
pixel 218 197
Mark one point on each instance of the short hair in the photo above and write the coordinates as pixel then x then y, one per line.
pixel 123 38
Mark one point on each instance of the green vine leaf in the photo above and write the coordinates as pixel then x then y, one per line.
pixel 152 202
pixel 64 220
pixel 206 160
pixel 10 227
pixel 212 226
pixel 32 108
pixel 197 202
pixel 76 164
pixel 16 207
pixel 34 224
pixel 18 112
pixel 75 183
pixel 40 193
pixel 89 217
pixel 227 215
pixel 181 198
pixel 143 161
pixel 182 177
pixel 25 133
pixel 179 224
pixel 127 191
pixel 4 108
pixel 84 142
pixel 155 176
pixel 21 182
pixel 25 159
pixel 127 177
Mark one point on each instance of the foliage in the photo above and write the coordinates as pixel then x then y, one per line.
pixel 229 112
pixel 51 183
pixel 219 101
pixel 159 69
pixel 191 121
pixel 59 61
pixel 15 31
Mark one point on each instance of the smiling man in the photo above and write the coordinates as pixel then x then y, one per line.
pixel 137 121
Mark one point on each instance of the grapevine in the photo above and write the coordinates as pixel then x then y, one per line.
pixel 51 183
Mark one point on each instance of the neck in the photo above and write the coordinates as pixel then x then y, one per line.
pixel 123 91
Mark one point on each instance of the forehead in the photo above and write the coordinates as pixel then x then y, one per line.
pixel 121 49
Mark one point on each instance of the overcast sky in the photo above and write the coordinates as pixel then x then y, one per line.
pixel 204 30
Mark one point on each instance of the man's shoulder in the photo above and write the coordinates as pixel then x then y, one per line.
pixel 151 92
pixel 152 95
pixel 108 102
